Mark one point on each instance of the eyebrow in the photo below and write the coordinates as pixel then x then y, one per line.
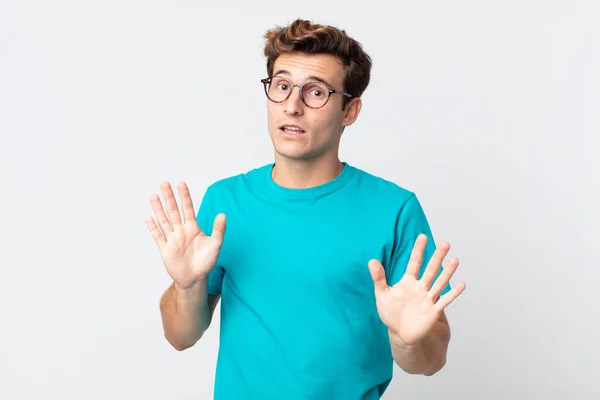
pixel 310 78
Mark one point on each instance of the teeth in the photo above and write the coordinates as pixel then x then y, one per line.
pixel 291 128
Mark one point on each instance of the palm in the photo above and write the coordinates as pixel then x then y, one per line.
pixel 407 310
pixel 411 307
pixel 188 254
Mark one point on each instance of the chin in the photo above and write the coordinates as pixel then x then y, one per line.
pixel 292 151
pixel 291 155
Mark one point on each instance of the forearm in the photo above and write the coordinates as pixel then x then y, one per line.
pixel 425 357
pixel 185 314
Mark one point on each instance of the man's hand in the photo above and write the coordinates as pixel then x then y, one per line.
pixel 188 253
pixel 411 307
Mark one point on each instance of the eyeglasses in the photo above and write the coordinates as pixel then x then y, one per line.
pixel 313 94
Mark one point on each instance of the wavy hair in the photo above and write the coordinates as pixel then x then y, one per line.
pixel 305 37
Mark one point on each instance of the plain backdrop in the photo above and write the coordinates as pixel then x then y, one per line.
pixel 488 110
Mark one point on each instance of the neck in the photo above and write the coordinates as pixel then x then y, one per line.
pixel 303 174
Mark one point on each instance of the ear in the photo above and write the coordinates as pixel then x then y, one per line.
pixel 352 111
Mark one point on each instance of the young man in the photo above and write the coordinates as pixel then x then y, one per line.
pixel 328 275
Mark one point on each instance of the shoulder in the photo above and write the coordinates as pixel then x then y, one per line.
pixel 384 190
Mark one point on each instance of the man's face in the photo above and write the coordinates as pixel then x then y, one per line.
pixel 321 128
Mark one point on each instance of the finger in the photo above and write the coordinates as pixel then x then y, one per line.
pixel 187 205
pixel 156 233
pixel 219 227
pixel 434 265
pixel 171 204
pixel 416 257
pixel 442 281
pixel 378 275
pixel 449 297
pixel 163 221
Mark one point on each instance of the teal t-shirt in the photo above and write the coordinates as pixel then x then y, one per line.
pixel 298 312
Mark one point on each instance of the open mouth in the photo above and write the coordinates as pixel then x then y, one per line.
pixel 292 130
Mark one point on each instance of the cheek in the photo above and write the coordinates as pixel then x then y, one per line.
pixel 328 122
pixel 270 115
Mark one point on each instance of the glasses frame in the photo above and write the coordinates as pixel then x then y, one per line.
pixel 331 91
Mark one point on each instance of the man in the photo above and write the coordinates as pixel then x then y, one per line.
pixel 328 275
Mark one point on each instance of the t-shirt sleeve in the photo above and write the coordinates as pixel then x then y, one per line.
pixel 410 224
pixel 206 218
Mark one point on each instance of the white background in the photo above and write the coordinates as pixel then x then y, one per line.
pixel 489 111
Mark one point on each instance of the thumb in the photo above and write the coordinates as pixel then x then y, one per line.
pixel 219 227
pixel 378 275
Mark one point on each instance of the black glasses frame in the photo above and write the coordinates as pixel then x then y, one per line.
pixel 331 91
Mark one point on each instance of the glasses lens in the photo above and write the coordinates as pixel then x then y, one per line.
pixel 315 94
pixel 278 89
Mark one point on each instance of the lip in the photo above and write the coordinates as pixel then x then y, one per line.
pixel 292 126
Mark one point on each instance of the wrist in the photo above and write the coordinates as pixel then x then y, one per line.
pixel 192 291
pixel 398 342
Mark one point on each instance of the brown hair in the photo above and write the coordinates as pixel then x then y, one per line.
pixel 305 37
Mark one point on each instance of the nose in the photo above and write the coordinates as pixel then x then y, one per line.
pixel 294 105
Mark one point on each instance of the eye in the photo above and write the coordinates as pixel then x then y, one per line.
pixel 315 90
